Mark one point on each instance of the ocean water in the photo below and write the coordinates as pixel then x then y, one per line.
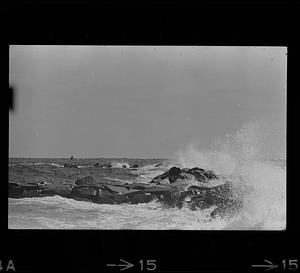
pixel 264 208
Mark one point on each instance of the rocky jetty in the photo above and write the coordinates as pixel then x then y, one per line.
pixel 194 188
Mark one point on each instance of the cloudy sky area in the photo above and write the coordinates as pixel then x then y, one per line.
pixel 147 102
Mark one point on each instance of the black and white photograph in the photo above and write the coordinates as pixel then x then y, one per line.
pixel 147 137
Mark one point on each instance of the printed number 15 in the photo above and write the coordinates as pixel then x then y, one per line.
pixel 290 264
pixel 149 263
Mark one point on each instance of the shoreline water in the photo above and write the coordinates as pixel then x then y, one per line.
pixel 61 213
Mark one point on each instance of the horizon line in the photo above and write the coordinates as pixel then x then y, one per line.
pixel 10 157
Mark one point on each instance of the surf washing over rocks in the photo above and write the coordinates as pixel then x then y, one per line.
pixel 244 155
pixel 231 186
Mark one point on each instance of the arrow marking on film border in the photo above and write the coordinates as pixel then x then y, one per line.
pixel 125 264
pixel 268 266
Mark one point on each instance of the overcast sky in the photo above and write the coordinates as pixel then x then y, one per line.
pixel 146 102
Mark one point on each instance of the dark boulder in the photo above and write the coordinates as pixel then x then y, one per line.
pixel 193 188
pixel 139 197
pixel 135 166
pixel 138 186
pixel 27 191
pixel 31 189
pixel 171 174
pixel 106 165
pixel 70 165
pixel 187 174
pixel 119 189
pixel 172 199
pixel 41 184
pixel 121 198
pixel 14 190
pixel 86 181
pixel 61 191
pixel 211 175
pixel 158 190
pixel 221 196
pixel 202 175
pixel 107 197
pixel 196 169
pixel 198 174
pixel 85 191
pixel 157 165
pixel 202 200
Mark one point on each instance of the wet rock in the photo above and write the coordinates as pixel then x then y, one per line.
pixel 198 173
pixel 139 197
pixel 138 186
pixel 30 189
pixel 202 174
pixel 174 174
pixel 61 191
pixel 106 165
pixel 211 175
pixel 86 187
pixel 172 199
pixel 202 200
pixel 157 165
pixel 91 191
pixel 21 191
pixel 160 190
pixel 41 184
pixel 119 189
pixel 70 165
pixel 122 198
pixel 86 181
pixel 186 176
pixel 171 175
pixel 160 181
pixel 14 190
pixel 105 199
pixel 196 189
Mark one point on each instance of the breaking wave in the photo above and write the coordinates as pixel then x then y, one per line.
pixel 57 165
pixel 57 212
pixel 84 166
pixel 242 156
pixel 120 164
